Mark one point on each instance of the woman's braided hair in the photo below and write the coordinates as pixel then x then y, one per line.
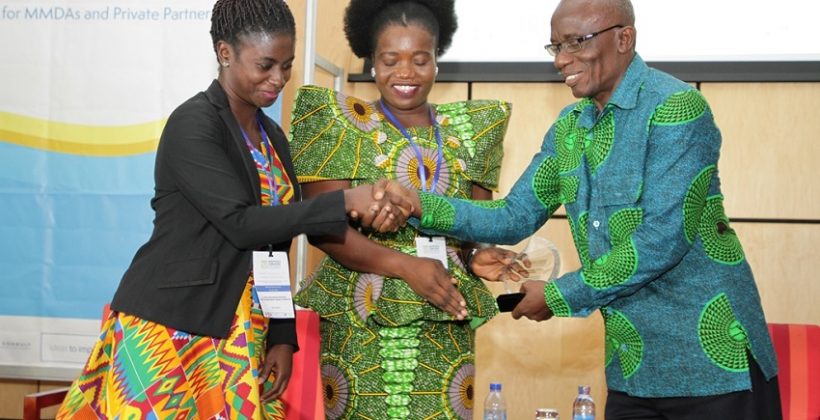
pixel 366 19
pixel 234 18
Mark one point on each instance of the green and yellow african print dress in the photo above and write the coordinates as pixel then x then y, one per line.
pixel 386 352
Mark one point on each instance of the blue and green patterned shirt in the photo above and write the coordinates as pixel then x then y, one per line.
pixel 640 186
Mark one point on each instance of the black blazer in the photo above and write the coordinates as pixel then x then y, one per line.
pixel 209 218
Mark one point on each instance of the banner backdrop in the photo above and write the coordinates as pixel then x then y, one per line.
pixel 85 89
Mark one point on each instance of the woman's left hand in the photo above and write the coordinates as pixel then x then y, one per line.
pixel 493 264
pixel 279 363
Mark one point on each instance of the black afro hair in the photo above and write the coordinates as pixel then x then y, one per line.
pixel 365 19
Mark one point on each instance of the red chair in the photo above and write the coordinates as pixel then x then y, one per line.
pixel 798 355
pixel 33 403
pixel 304 398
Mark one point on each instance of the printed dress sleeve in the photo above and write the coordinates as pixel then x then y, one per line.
pixel 477 131
pixel 333 136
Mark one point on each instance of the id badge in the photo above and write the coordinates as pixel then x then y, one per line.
pixel 432 247
pixel 271 278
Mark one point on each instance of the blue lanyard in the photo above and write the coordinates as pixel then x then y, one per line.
pixel 417 150
pixel 259 158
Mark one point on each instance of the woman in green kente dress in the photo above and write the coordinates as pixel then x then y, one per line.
pixel 398 330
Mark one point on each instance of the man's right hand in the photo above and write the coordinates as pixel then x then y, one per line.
pixel 376 208
pixel 407 198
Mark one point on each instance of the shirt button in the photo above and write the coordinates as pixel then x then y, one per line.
pixel 595 224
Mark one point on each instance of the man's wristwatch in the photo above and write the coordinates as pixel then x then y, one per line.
pixel 469 260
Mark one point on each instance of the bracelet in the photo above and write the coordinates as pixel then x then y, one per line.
pixel 469 260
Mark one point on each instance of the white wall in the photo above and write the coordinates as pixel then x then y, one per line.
pixel 691 30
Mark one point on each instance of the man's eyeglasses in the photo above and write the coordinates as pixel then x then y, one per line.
pixel 575 44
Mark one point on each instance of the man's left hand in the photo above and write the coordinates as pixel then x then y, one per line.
pixel 493 264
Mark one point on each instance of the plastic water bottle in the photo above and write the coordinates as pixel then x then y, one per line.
pixel 494 406
pixel 583 408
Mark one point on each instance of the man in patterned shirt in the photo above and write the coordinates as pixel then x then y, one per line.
pixel 634 163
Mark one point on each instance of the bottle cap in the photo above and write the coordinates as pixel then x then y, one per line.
pixel 495 386
pixel 583 389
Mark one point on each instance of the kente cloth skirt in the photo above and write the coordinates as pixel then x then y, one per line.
pixel 142 370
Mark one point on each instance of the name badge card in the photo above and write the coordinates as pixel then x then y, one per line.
pixel 435 248
pixel 271 277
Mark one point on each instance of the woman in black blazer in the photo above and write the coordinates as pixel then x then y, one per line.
pixel 187 335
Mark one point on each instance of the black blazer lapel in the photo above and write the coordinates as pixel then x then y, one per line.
pixel 236 142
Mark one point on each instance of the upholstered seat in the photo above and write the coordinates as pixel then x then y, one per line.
pixel 798 355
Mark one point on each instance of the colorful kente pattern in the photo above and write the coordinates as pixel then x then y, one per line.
pixel 139 369
pixel 386 352
pixel 284 188
pixel 704 216
pixel 142 370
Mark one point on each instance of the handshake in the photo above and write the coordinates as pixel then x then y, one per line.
pixel 383 206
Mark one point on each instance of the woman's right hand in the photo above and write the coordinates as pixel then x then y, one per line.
pixel 405 195
pixel 430 280
pixel 376 208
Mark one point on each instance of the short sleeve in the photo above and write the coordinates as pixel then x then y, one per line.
pixel 479 127
pixel 332 136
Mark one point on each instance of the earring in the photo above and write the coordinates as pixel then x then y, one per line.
pixel 373 72
pixel 436 70
pixel 226 64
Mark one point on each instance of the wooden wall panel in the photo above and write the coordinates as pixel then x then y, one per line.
pixel 770 148
pixel 535 106
pixel 784 260
pixel 11 397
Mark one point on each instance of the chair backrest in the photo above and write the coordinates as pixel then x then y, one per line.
pixel 304 397
pixel 798 355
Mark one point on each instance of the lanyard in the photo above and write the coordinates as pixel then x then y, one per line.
pixel 417 150
pixel 259 158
